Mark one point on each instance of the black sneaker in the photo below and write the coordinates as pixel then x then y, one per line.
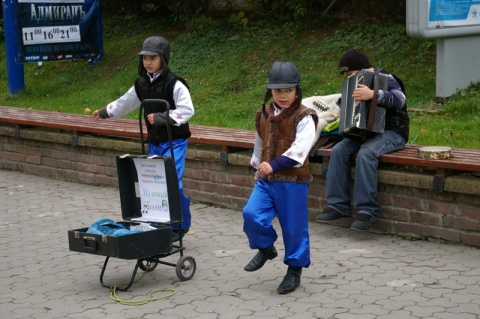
pixel 364 222
pixel 330 214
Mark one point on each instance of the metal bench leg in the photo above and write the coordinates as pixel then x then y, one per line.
pixel 439 179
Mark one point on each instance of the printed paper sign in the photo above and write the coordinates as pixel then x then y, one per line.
pixel 153 191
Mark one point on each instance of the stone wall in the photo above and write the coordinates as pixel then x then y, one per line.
pixel 410 207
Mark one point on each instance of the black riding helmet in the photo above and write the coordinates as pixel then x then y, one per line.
pixel 153 46
pixel 282 75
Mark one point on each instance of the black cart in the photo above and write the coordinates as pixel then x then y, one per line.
pixel 150 200
pixel 149 246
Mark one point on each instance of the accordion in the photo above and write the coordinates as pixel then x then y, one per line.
pixel 361 119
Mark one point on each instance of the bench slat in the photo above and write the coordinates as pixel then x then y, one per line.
pixel 71 122
pixel 119 127
pixel 462 160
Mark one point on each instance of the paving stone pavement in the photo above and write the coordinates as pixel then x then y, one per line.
pixel 353 274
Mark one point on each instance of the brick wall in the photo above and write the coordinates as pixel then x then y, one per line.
pixel 410 207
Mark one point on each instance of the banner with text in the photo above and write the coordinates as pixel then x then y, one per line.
pixel 52 30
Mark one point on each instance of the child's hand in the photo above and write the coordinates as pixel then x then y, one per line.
pixel 150 118
pixel 265 168
pixel 362 93
pixel 100 114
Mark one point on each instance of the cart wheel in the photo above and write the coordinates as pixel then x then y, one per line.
pixel 186 268
pixel 147 264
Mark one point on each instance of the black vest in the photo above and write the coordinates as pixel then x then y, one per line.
pixel 160 88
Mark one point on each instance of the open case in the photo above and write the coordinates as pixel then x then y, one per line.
pixel 150 202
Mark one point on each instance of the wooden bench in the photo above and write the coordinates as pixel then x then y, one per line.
pixel 462 161
pixel 230 140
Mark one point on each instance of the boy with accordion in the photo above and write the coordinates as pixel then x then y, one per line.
pixel 368 148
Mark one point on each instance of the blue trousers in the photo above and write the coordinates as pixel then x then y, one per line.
pixel 287 201
pixel 179 153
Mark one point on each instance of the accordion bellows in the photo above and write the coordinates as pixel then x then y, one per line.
pixel 354 115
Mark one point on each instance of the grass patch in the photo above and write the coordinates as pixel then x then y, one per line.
pixel 227 66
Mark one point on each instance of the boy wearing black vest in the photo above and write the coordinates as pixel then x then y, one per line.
pixel 156 81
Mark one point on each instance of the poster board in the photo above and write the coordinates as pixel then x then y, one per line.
pixel 443 18
pixel 53 30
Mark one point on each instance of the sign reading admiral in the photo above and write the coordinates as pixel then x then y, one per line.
pixel 51 30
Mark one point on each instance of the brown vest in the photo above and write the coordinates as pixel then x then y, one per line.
pixel 278 134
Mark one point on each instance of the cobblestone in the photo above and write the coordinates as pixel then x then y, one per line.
pixel 353 274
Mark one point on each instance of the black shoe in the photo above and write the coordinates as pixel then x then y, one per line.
pixel 364 222
pixel 178 233
pixel 175 236
pixel 261 258
pixel 330 214
pixel 291 280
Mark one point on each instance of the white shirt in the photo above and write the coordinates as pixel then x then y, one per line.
pixel 129 101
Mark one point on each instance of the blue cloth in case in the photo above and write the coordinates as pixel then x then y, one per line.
pixel 108 227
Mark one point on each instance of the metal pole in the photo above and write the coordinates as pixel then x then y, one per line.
pixel 99 57
pixel 15 72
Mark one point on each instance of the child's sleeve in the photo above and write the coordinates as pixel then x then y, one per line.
pixel 394 98
pixel 123 105
pixel 282 163
pixel 183 104
pixel 257 152
pixel 304 139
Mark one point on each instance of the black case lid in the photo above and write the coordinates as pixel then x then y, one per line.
pixel 130 197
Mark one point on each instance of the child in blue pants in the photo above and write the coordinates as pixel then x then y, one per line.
pixel 285 134
pixel 156 81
